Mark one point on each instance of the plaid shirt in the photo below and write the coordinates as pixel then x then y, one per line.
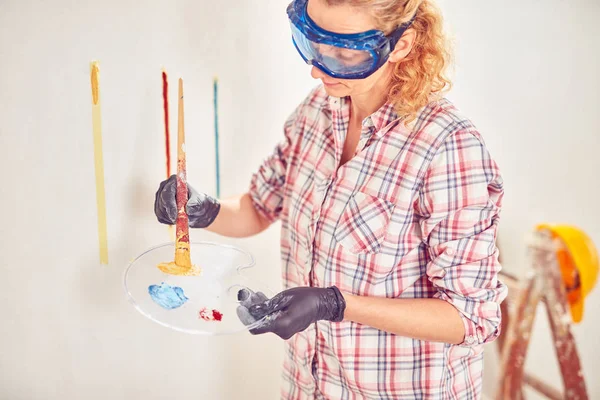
pixel 414 214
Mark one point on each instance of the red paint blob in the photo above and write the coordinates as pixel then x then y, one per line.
pixel 217 315
pixel 212 315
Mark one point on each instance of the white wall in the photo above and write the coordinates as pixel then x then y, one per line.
pixel 68 331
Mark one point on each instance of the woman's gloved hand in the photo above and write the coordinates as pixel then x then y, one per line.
pixel 292 310
pixel 201 208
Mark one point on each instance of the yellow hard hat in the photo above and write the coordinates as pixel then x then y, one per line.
pixel 579 264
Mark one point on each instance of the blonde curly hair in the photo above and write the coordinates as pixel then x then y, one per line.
pixel 421 77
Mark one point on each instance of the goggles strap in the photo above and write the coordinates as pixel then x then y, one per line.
pixel 397 34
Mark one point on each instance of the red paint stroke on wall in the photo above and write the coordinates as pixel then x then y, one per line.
pixel 166 111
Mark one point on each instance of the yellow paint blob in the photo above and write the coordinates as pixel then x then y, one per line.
pixel 174 269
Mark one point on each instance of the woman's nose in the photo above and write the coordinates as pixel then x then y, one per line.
pixel 316 73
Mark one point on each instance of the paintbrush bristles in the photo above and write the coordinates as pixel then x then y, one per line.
pixel 94 72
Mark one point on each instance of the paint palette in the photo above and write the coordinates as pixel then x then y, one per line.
pixel 204 304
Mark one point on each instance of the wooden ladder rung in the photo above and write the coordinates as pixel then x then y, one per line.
pixel 542 387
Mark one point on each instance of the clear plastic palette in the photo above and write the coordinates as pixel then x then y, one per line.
pixel 216 288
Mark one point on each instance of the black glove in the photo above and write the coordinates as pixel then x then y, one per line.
pixel 292 310
pixel 201 208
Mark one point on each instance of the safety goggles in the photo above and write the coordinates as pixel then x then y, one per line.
pixel 343 56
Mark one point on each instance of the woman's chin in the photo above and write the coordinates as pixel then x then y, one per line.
pixel 335 89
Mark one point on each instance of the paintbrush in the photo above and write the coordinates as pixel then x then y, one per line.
pixel 182 234
pixel 183 262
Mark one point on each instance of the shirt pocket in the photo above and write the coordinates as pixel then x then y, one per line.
pixel 363 223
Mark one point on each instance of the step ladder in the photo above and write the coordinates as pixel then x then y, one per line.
pixel 544 284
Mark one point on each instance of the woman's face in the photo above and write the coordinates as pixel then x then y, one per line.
pixel 345 19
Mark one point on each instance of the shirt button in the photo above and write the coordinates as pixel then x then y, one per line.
pixel 470 340
pixel 450 251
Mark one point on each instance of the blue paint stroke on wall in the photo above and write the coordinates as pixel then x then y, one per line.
pixel 216 121
pixel 167 296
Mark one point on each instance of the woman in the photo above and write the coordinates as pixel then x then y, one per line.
pixel 389 204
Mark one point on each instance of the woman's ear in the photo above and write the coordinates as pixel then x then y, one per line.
pixel 404 46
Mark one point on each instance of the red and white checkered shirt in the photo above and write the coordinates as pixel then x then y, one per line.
pixel 414 214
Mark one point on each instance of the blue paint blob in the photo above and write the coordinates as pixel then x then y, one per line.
pixel 167 296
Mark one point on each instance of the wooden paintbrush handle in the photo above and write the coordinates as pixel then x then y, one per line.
pixel 182 245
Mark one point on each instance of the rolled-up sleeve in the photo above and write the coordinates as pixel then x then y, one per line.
pixel 267 183
pixel 460 203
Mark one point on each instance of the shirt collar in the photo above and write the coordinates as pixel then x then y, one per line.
pixel 381 118
pixel 374 123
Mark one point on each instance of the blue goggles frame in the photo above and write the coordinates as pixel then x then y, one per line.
pixel 375 42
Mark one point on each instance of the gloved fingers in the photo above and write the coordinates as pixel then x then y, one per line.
pixel 244 316
pixel 247 297
pixel 259 297
pixel 281 323
pixel 157 205
pixel 277 303
pixel 165 202
pixel 197 203
pixel 278 323
pixel 196 210
pixel 270 323
pixel 168 199
pixel 202 210
pixel 191 191
pixel 271 313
